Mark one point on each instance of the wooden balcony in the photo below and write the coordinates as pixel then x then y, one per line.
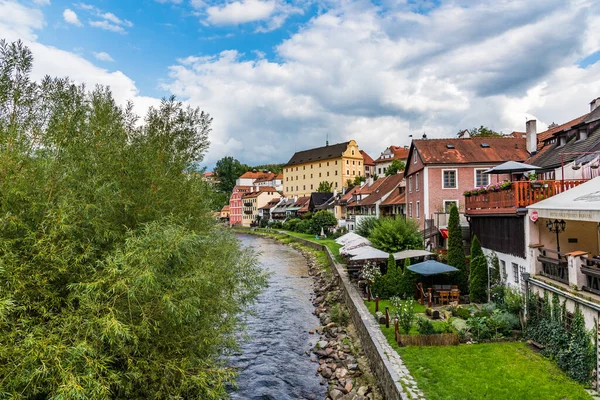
pixel 521 194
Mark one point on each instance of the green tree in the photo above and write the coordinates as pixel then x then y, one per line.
pixel 365 226
pixel 396 234
pixel 482 131
pixel 456 252
pixel 358 180
pixel 227 171
pixel 325 187
pixel 322 219
pixel 495 272
pixel 274 168
pixel 478 277
pixel 115 277
pixel 408 282
pixel 397 165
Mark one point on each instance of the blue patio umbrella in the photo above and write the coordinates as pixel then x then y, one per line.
pixel 431 267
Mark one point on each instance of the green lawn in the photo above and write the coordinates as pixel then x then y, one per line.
pixel 488 371
pixel 330 243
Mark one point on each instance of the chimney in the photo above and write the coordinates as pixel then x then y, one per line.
pixel 594 104
pixel 531 129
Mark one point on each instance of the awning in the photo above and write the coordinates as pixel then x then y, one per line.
pixel 348 237
pixel 444 232
pixel 582 203
pixel 360 242
pixel 431 267
pixel 401 255
pixel 370 253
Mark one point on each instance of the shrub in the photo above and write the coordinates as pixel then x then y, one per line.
pixel 444 327
pixel 462 312
pixel 478 277
pixel 322 220
pixel 425 327
pixel 513 300
pixel 303 226
pixel 396 234
pixel 408 280
pixel 339 314
pixel 366 226
pixel 456 251
pixel 478 326
pixel 406 315
pixel 495 272
pixel 290 224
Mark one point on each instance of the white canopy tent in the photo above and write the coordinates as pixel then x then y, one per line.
pixel 348 237
pixel 369 253
pixel 401 255
pixel 582 203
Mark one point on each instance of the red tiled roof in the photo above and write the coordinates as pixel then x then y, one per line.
pixel 395 198
pixel 208 174
pixel 279 176
pixel 272 203
pixel 367 160
pixel 388 184
pixel 258 190
pixel 400 153
pixel 225 208
pixel 253 175
pixel 465 151
pixel 242 188
pixel 265 177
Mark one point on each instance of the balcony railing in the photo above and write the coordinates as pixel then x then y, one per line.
pixel 554 265
pixel 247 211
pixel 247 204
pixel 591 270
pixel 521 194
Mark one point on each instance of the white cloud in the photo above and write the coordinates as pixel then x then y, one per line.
pixel 49 60
pixel 103 56
pixel 42 2
pixel 70 17
pixel 107 26
pixel 378 75
pixel 272 12
pixel 113 18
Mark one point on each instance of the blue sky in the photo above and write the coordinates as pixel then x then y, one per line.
pixel 279 76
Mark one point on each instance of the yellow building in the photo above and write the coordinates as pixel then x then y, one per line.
pixel 334 163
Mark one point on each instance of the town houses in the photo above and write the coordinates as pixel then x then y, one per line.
pixel 531 198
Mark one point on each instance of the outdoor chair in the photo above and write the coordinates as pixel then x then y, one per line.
pixel 455 295
pixel 444 297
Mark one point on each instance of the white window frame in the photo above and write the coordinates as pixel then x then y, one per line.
pixel 410 214
pixel 410 184
pixel 418 209
pixel 475 177
pixel 415 157
pixel 417 182
pixel 455 178
pixel 450 200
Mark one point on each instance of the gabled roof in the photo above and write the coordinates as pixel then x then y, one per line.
pixel 317 198
pixel 472 150
pixel 367 160
pixel 258 190
pixel 400 153
pixel 242 188
pixel 266 177
pixel 253 175
pixel 388 184
pixel 208 174
pixel 552 154
pixel 546 135
pixel 271 203
pixel 225 209
pixel 395 198
pixel 318 154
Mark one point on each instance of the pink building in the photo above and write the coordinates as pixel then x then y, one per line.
pixel 439 171
pixel 235 204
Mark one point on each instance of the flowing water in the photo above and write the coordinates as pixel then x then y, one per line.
pixel 274 363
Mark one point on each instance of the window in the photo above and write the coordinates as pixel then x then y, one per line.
pixel 336 184
pixel 418 207
pixel 448 205
pixel 303 176
pixel 335 162
pixel 353 162
pixel 328 163
pixel 380 171
pixel 417 182
pixel 319 165
pixel 336 172
pixel 410 210
pixel 286 189
pixel 347 172
pixel 319 174
pixel 311 176
pixel 481 179
pixel 503 270
pixel 303 187
pixel 296 188
pixel 296 168
pixel 286 178
pixel 449 178
pixel 311 166
pixel 352 152
pixel 311 186
pixel 353 172
pixel 515 268
pixel 347 162
pixel 415 157
pixel 327 173
pixel 410 184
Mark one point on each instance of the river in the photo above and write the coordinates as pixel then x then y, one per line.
pixel 274 363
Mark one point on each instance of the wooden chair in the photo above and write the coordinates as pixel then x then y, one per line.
pixel 455 295
pixel 444 297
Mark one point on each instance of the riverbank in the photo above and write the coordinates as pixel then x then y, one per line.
pixel 342 364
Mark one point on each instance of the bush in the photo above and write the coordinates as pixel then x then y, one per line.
pixel 478 276
pixel 462 312
pixel 425 327
pixel 396 234
pixel 276 225
pixel 478 326
pixel 322 220
pixel 290 224
pixel 366 226
pixel 406 315
pixel 339 314
pixel 303 226
pixel 445 327
pixel 514 300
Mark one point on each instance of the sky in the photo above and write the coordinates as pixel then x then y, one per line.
pixel 283 76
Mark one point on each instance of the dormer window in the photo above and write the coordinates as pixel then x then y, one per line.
pixel 562 140
pixel 582 134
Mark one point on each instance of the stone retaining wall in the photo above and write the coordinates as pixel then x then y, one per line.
pixel 393 377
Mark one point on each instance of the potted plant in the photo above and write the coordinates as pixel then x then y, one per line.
pixel 576 166
pixel 594 165
pixel 467 193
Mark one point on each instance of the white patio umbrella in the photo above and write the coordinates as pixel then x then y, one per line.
pixel 370 253
pixel 348 237
pixel 401 255
pixel 361 242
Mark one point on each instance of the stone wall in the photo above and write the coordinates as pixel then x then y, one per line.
pixel 394 379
